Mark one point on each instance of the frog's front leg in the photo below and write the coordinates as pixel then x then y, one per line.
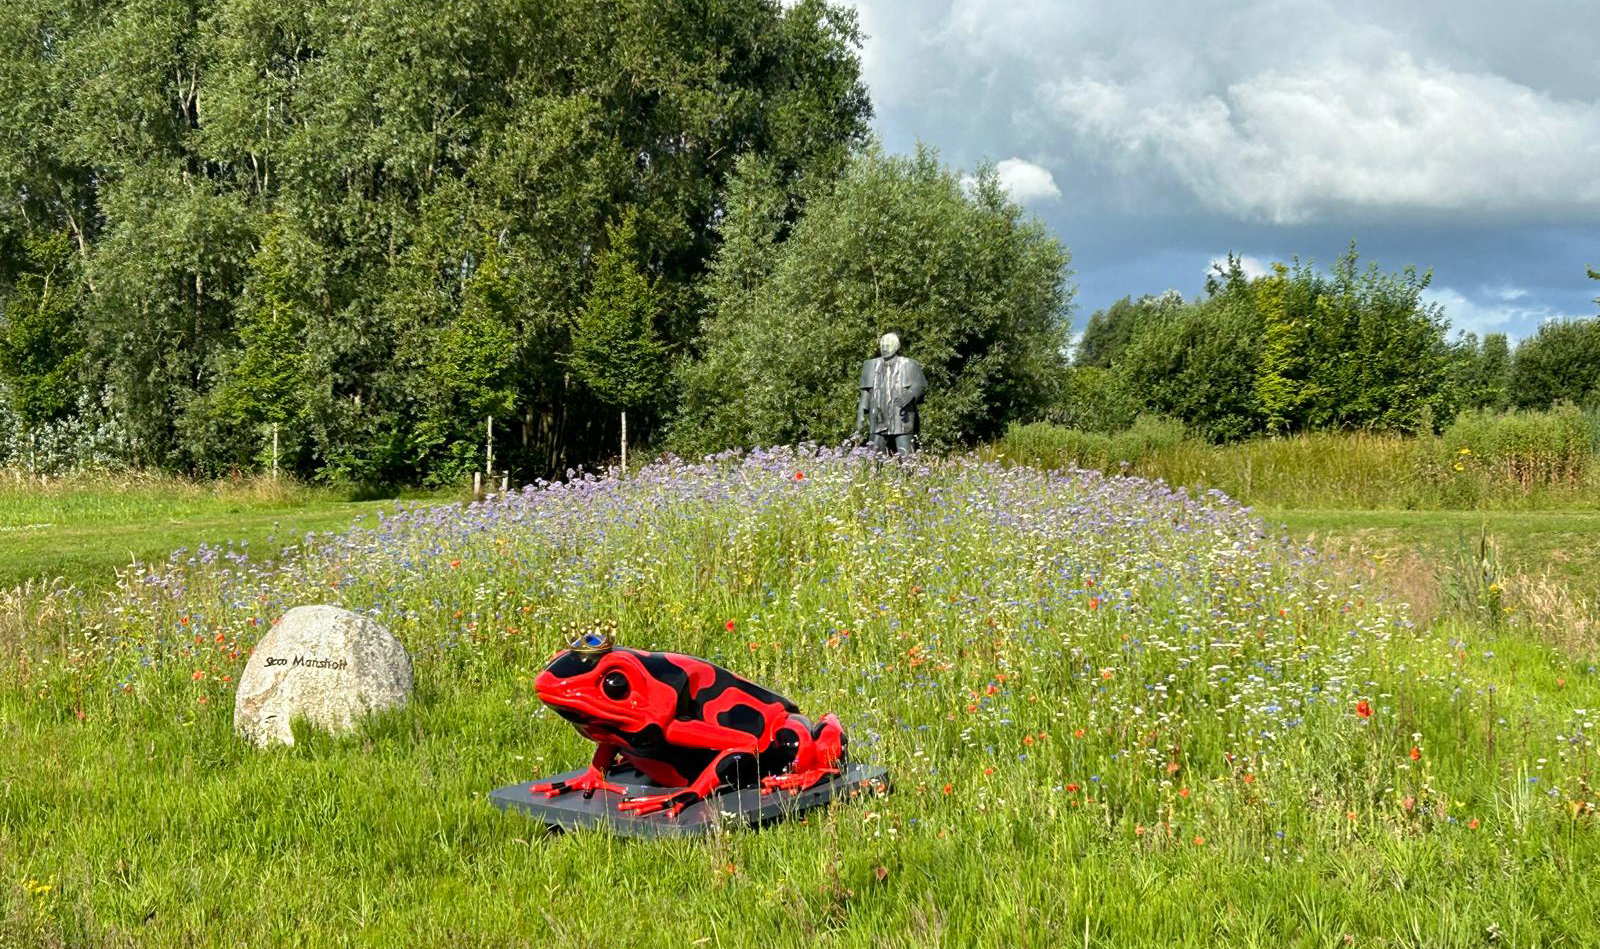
pixel 592 780
pixel 725 768
pixel 733 764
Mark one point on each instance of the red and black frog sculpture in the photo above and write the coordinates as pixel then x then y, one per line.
pixel 685 723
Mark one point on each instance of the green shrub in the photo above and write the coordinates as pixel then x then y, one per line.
pixel 1093 399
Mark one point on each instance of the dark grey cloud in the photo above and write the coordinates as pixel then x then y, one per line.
pixel 1155 137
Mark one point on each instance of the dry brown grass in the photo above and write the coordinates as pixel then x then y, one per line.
pixel 1406 576
pixel 1546 606
pixel 1567 619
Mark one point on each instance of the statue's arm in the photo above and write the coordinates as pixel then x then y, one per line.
pixel 916 382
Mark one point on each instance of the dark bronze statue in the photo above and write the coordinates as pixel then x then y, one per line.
pixel 891 387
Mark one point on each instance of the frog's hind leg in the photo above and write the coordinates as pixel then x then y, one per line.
pixel 817 759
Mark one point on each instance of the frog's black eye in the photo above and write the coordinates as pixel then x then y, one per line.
pixel 615 686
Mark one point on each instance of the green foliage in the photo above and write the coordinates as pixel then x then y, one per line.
pixel 975 291
pixel 1355 349
pixel 1378 360
pixel 1485 381
pixel 1282 387
pixel 40 344
pixel 1561 361
pixel 397 146
pixel 1294 350
pixel 260 380
pixel 1109 331
pixel 615 350
pixel 1198 363
pixel 1093 399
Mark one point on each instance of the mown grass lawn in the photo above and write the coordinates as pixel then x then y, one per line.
pixel 1564 544
pixel 1116 716
pixel 86 529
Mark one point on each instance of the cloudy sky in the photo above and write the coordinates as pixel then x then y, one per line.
pixel 1155 137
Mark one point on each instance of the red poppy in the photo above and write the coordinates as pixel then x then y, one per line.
pixel 1363 709
pixel 730 626
pixel 1072 789
pixel 799 476
pixel 1416 753
pixel 1094 603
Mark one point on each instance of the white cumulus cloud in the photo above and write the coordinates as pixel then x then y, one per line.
pixel 1501 314
pixel 1267 111
pixel 1288 146
pixel 1026 182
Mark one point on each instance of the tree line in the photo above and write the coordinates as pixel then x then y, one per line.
pixel 1300 349
pixel 373 224
pixel 357 239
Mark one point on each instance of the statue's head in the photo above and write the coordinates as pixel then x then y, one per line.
pixel 888 345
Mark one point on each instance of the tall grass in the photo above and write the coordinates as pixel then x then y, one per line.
pixel 1516 460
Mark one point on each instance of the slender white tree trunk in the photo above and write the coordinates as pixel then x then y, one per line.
pixel 624 442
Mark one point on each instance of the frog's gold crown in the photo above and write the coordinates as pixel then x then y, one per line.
pixel 593 640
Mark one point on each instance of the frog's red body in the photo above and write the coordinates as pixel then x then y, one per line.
pixel 685 723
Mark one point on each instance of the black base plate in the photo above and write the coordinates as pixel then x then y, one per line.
pixel 750 807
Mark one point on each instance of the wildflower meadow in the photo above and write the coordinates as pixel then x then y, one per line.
pixel 1114 713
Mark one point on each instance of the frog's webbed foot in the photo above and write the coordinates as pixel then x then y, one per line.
pixel 589 782
pixel 672 802
pixel 797 780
